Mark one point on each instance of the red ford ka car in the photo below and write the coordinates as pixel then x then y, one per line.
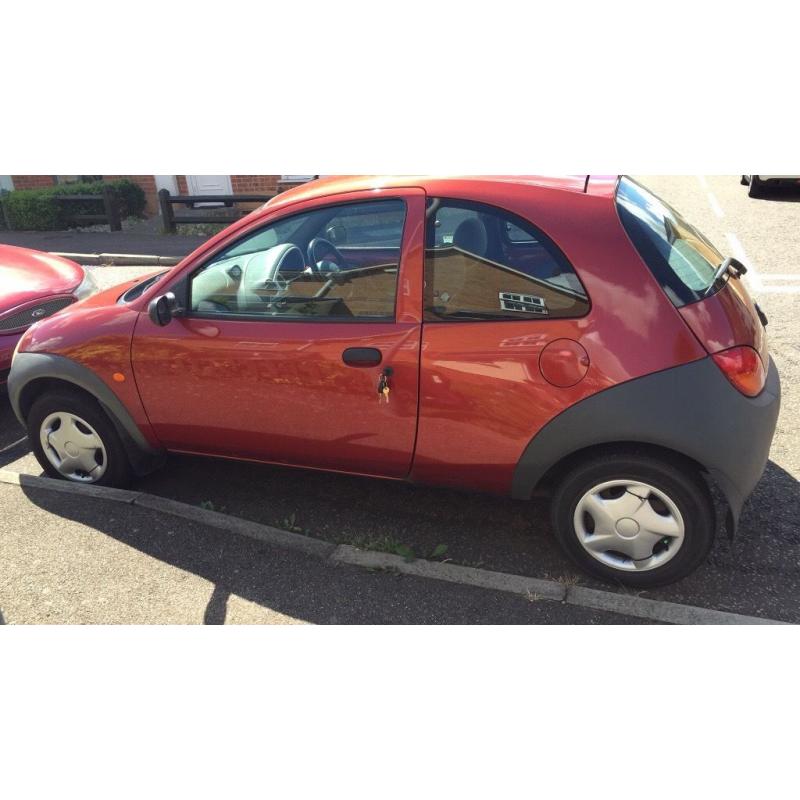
pixel 498 334
pixel 33 286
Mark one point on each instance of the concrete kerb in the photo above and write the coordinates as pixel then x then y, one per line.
pixel 120 260
pixel 531 588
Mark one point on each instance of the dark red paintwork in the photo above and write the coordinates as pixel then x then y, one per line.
pixel 728 319
pixel 467 397
pixel 26 278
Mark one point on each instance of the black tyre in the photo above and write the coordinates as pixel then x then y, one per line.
pixel 634 519
pixel 744 180
pixel 74 440
pixel 756 187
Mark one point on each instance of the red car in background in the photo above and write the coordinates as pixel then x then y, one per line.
pixel 501 334
pixel 33 286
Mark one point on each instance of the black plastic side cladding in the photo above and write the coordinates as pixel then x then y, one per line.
pixel 28 367
pixel 692 410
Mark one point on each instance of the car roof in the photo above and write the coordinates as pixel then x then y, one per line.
pixel 342 184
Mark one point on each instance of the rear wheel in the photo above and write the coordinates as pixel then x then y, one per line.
pixel 74 440
pixel 634 519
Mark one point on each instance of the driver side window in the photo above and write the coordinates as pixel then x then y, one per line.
pixel 338 263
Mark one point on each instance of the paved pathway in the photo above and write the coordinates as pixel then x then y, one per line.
pixel 102 562
pixel 127 242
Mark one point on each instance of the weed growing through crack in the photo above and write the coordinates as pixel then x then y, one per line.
pixel 208 505
pixel 290 524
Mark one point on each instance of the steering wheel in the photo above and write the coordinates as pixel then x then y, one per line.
pixel 262 272
pixel 322 247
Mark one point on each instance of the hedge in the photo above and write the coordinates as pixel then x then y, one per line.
pixel 35 209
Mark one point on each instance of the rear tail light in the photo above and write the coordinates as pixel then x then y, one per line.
pixel 742 366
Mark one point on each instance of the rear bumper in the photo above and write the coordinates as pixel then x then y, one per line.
pixel 739 463
pixel 692 410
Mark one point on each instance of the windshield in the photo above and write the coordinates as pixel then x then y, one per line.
pixel 679 256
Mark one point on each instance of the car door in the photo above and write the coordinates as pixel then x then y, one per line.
pixel 280 357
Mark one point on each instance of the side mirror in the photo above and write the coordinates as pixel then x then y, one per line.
pixel 163 309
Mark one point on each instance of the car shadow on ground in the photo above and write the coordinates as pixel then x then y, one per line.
pixel 287 582
pixel 758 573
pixel 13 440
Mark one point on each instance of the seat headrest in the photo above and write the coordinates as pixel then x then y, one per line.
pixel 471 236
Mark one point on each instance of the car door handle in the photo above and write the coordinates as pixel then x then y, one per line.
pixel 362 357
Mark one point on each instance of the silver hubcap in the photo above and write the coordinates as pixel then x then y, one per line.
pixel 629 526
pixel 73 447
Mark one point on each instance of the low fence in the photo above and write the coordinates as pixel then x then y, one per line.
pixel 108 200
pixel 170 220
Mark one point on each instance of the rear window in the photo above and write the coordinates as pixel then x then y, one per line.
pixel 683 261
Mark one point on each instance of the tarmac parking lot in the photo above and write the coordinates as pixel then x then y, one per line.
pixel 756 574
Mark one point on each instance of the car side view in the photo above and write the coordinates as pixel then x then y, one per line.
pixel 33 286
pixel 503 334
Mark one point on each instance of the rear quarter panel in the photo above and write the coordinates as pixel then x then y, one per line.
pixel 482 395
pixel 728 319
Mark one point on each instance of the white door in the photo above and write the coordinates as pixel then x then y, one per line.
pixel 168 182
pixel 209 184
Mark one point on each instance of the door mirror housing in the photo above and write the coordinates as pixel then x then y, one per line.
pixel 162 309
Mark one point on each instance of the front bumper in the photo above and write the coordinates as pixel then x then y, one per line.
pixel 7 345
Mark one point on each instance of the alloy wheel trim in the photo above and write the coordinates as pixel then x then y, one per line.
pixel 73 447
pixel 618 546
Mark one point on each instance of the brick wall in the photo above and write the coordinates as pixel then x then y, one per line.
pixel 255 184
pixel 32 181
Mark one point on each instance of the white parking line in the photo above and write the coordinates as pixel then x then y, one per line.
pixel 715 206
pixel 703 181
pixel 780 290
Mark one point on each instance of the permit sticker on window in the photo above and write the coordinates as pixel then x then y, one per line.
pixel 523 303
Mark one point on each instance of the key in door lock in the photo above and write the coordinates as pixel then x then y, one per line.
pixel 384 387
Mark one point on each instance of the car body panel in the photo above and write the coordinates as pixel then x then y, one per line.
pixel 483 396
pixel 27 278
pixel 29 275
pixel 776 177
pixel 107 352
pixel 278 390
pixel 726 433
pixel 726 319
pixel 432 184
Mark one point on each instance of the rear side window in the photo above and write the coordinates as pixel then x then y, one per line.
pixel 682 260
pixel 484 263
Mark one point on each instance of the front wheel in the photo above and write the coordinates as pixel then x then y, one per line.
pixel 74 440
pixel 634 519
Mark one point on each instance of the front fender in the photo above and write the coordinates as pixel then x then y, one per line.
pixel 29 367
